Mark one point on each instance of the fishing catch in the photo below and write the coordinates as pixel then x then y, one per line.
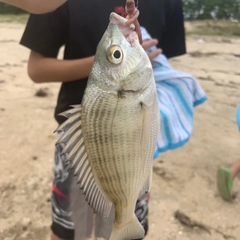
pixel 111 137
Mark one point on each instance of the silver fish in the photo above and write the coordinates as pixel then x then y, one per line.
pixel 110 138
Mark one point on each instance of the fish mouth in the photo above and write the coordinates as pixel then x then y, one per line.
pixel 127 31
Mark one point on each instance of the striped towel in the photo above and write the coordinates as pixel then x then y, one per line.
pixel 238 117
pixel 178 93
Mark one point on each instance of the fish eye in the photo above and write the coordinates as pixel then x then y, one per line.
pixel 115 54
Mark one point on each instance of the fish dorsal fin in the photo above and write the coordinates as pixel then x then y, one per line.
pixel 78 158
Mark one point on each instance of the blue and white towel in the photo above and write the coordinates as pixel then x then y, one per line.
pixel 178 94
pixel 238 117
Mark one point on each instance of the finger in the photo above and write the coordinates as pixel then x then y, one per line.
pixel 154 54
pixel 130 7
pixel 150 43
pixel 132 18
pixel 138 31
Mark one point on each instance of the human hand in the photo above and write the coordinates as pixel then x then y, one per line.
pixel 151 43
pixel 132 17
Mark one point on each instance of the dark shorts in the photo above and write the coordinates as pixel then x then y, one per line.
pixel 69 207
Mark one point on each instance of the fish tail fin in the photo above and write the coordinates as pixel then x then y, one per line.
pixel 132 230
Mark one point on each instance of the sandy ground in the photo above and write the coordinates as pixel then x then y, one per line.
pixel 184 180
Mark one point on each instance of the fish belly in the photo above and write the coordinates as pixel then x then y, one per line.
pixel 112 127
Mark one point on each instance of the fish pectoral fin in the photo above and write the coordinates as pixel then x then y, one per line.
pixel 78 158
pixel 147 184
pixel 148 144
pixel 147 99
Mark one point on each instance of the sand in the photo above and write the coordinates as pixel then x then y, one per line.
pixel 184 180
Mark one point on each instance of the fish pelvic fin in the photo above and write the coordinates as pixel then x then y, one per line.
pixel 74 148
pixel 132 230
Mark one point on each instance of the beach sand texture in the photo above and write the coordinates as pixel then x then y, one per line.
pixel 184 180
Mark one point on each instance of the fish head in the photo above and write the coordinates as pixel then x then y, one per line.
pixel 120 62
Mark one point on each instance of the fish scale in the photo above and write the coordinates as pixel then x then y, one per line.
pixel 103 153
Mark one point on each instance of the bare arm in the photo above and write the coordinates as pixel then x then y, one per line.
pixel 43 69
pixel 36 6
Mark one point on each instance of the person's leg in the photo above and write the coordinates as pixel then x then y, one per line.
pixel 225 178
pixel 235 169
pixel 62 225
pixel 54 237
pixel 84 219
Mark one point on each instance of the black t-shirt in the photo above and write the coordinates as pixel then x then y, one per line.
pixel 80 24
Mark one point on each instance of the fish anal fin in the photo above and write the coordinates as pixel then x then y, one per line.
pixel 93 191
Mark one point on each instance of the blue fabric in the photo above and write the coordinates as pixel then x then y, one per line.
pixel 178 94
pixel 238 117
